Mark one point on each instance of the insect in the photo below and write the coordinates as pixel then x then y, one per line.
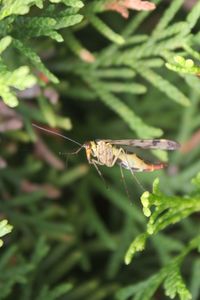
pixel 111 152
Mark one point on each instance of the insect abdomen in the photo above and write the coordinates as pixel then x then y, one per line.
pixel 136 164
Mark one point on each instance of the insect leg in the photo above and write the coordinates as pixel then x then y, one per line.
pixel 121 150
pixel 125 185
pixel 129 168
pixel 95 162
pixel 70 153
pixel 136 179
pixel 92 161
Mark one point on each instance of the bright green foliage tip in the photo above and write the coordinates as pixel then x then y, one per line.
pixel 72 3
pixel 183 65
pixel 170 276
pixel 137 245
pixel 21 7
pixel 5 228
pixel 19 79
pixel 17 7
pixel 17 30
pixel 4 43
pixel 162 211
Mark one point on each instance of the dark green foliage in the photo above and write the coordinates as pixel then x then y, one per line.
pixel 74 65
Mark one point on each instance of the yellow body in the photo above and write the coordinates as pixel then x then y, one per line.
pixel 103 153
pixel 131 160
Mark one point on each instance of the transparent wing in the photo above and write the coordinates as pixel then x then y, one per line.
pixel 146 144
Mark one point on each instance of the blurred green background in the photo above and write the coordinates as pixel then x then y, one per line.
pixel 90 74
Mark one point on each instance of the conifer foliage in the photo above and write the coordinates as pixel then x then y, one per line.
pixel 114 69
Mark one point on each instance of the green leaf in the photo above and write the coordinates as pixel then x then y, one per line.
pixel 137 245
pixel 35 59
pixel 4 43
pixel 135 123
pixel 162 211
pixel 17 7
pixel 106 31
pixel 72 3
pixel 19 79
pixel 164 85
pixel 174 284
pixel 5 228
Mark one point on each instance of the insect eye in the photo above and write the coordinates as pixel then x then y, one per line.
pixel 87 145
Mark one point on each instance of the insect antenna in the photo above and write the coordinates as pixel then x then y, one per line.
pixel 65 137
pixel 58 134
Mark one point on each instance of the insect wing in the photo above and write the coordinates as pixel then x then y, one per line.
pixel 161 144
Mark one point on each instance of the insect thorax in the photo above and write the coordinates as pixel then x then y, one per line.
pixel 104 153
